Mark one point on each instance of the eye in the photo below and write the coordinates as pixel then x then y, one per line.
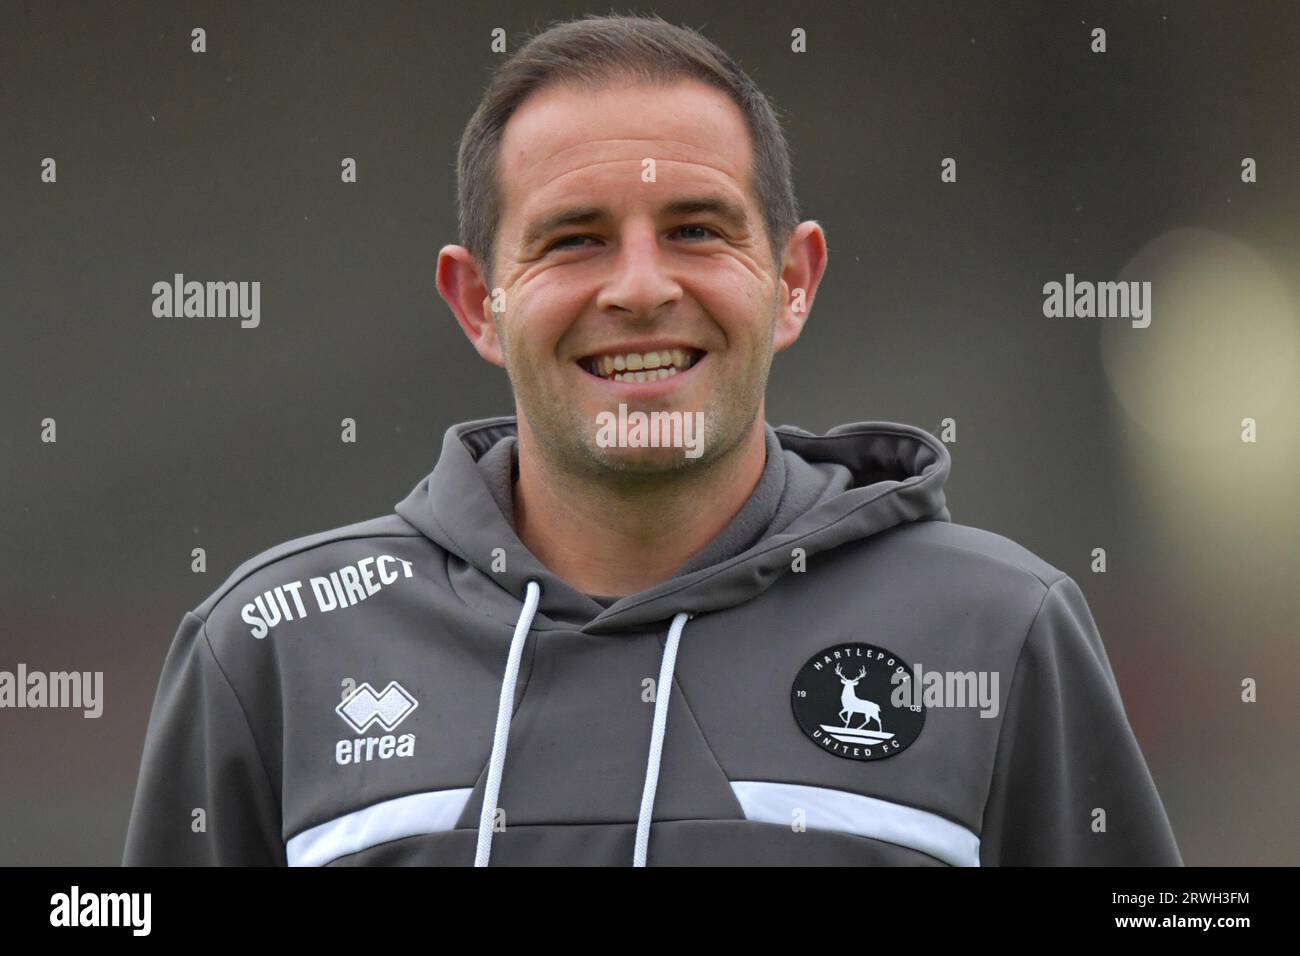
pixel 714 233
pixel 561 242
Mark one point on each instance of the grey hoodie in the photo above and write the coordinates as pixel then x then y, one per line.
pixel 360 696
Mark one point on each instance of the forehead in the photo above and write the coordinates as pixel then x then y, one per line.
pixel 565 141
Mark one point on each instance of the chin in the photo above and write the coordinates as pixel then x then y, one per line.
pixel 643 461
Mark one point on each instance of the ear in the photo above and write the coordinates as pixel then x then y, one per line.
pixel 802 267
pixel 461 283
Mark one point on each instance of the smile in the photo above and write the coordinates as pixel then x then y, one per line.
pixel 641 366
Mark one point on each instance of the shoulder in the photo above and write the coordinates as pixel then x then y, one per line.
pixel 987 574
pixel 962 572
pixel 281 575
pixel 962 546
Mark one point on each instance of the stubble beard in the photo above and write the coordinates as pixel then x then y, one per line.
pixel 567 440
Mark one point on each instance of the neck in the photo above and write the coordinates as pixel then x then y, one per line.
pixel 620 536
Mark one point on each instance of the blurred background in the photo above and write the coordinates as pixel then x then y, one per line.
pixel 1071 433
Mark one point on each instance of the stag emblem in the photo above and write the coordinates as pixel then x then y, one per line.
pixel 857 731
pixel 853 704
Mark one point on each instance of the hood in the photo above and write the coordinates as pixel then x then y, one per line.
pixel 854 481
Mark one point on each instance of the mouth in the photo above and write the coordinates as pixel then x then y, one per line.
pixel 641 366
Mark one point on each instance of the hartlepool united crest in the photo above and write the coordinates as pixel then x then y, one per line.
pixel 842 701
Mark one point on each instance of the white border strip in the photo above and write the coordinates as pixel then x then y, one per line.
pixel 827 809
pixel 412 815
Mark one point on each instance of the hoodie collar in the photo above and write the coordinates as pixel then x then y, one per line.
pixel 854 481
pixel 769 506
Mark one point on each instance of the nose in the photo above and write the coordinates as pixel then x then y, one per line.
pixel 640 285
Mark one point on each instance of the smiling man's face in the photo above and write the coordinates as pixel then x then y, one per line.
pixel 629 227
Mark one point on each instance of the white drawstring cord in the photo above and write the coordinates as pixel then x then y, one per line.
pixel 662 692
pixel 504 709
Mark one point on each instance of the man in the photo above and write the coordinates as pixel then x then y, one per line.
pixel 572 644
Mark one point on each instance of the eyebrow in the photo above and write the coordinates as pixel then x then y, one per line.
pixel 723 208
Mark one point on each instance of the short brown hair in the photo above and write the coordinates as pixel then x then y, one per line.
pixel 593 52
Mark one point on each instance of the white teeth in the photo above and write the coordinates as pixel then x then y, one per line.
pixel 642 367
pixel 644 376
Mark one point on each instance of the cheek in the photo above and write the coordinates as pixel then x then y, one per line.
pixel 546 308
pixel 738 302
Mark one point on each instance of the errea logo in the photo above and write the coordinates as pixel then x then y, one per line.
pixel 361 709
